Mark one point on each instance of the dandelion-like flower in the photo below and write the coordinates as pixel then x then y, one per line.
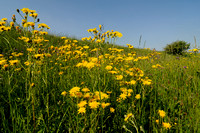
pixel 138 96
pixel 112 110
pixel 81 110
pixel 167 125
pixel 82 103
pixel 85 90
pixel 64 93
pixel 94 104
pixel 128 116
pixel 161 113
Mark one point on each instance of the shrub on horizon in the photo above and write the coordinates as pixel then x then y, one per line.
pixel 177 47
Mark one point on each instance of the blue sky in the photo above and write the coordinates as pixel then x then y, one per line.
pixel 160 22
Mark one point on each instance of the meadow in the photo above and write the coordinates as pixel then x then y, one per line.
pixel 50 83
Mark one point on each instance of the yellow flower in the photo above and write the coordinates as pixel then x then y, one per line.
pixel 123 96
pixel 132 82
pixel 94 104
pixel 167 125
pixel 138 96
pixel 64 93
pixel 43 25
pixel 118 34
pixel 60 73
pixel 32 84
pixel 128 116
pixel 25 10
pixel 81 110
pixel 85 47
pixel 130 90
pixel 112 110
pixel 82 104
pixel 74 90
pixel 2 62
pixel 13 62
pixel 85 90
pixel 98 40
pixel 146 81
pixel 101 95
pixel 63 37
pixel 30 49
pixel 5 66
pixel 30 24
pixel 38 56
pixel 119 77
pixel 109 92
pixel 11 24
pixel 34 15
pixel 100 27
pixel 161 113
pixel 87 95
pixel 90 65
pixel 154 66
pixel 112 72
pixel 130 47
pixel 75 41
pixel 108 67
pixel 157 121
pixel 3 19
pixel 103 104
pixel 32 11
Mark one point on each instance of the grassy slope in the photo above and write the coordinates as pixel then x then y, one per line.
pixel 174 89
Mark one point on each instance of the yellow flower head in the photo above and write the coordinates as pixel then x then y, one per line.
pixel 64 93
pixel 119 77
pixel 74 90
pixel 25 10
pixel 13 62
pixel 101 95
pixel 11 24
pixel 108 67
pixel 32 11
pixel 167 125
pixel 3 62
pixel 81 110
pixel 128 116
pixel 132 82
pixel 123 96
pixel 43 25
pixel 32 84
pixel 82 104
pixel 100 27
pixel 112 110
pixel 3 19
pixel 85 90
pixel 63 37
pixel 87 95
pixel 94 104
pixel 138 96
pixel 60 73
pixel 157 121
pixel 103 104
pixel 161 113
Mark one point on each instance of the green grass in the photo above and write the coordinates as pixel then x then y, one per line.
pixel 32 98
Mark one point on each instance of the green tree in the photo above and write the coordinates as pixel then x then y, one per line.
pixel 177 47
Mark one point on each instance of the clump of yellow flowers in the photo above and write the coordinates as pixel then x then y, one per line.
pixel 85 97
pixel 98 36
